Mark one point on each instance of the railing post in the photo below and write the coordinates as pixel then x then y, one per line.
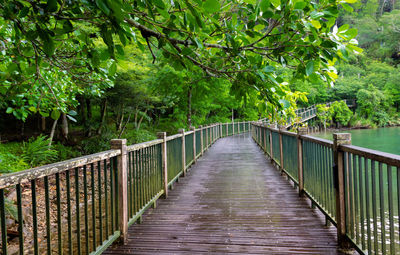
pixel 280 128
pixel 206 137
pixel 270 146
pixel 226 125
pixel 233 127
pixel 264 130
pixel 300 132
pixel 201 140
pixel 182 131
pixel 120 144
pixel 194 143
pixel 163 135
pixel 338 175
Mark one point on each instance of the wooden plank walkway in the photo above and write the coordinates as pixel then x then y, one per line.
pixel 232 201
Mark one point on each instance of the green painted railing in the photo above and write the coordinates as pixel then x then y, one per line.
pixel 357 189
pixel 83 205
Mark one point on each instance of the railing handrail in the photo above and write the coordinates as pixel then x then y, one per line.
pixel 128 179
pixel 354 187
pixel 27 175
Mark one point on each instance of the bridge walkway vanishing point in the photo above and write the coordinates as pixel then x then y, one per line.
pixel 231 201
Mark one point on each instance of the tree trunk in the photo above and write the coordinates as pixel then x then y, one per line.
pixel 64 126
pixel 53 129
pixel 140 120
pixel 82 107
pixel 126 123
pixel 103 115
pixel 121 120
pixel 43 127
pixel 189 113
pixel 89 117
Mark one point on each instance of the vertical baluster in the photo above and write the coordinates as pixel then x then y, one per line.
pixel 355 197
pixel 20 220
pixel 136 183
pixel 361 199
pixel 351 195
pixel 130 198
pixel 59 227
pixel 3 222
pixel 382 209
pixel 77 213
pixel 391 209
pixel 367 205
pixel 93 207
pixel 47 205
pixel 398 196
pixel 112 201
pixel 106 207
pixel 34 218
pixel 116 196
pixel 85 203
pixel 100 203
pixel 374 207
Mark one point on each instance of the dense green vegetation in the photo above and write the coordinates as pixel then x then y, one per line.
pixel 76 74
pixel 373 76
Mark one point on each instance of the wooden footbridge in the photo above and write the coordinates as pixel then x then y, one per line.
pixel 208 190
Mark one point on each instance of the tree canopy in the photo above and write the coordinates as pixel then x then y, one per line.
pixel 53 50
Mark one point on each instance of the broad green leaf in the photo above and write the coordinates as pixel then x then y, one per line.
pixel 349 1
pixel 49 47
pixel 276 3
pixel 55 114
pixel 316 24
pixel 32 109
pixel 347 7
pixel 102 4
pixel 300 5
pixel 159 3
pixel 71 118
pixel 264 5
pixel 351 33
pixel 112 69
pixel 211 6
pixel 72 113
pixel 51 5
pixel 285 103
pixel 310 68
pixel 9 110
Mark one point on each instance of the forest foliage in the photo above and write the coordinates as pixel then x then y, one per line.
pixel 84 72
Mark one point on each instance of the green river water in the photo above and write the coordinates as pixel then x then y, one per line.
pixel 381 139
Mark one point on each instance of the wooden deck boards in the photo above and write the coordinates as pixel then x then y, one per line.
pixel 231 202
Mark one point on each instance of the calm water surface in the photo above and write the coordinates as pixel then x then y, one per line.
pixel 381 139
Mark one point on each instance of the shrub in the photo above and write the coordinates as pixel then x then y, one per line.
pixel 37 152
pixel 340 112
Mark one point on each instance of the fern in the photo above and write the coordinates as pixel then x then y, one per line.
pixel 37 151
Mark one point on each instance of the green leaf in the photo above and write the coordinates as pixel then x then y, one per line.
pixel 347 7
pixel 285 103
pixel 32 109
pixel 264 5
pixel 113 69
pixel 71 118
pixel 55 114
pixel 103 6
pixel 316 24
pixel 351 33
pixel 276 3
pixel 159 3
pixel 300 5
pixel 9 110
pixel 211 6
pixel 51 5
pixel 72 113
pixel 349 1
pixel 310 68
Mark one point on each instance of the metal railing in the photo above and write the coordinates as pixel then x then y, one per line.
pixel 83 205
pixel 357 189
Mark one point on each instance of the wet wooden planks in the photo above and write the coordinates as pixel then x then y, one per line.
pixel 232 201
